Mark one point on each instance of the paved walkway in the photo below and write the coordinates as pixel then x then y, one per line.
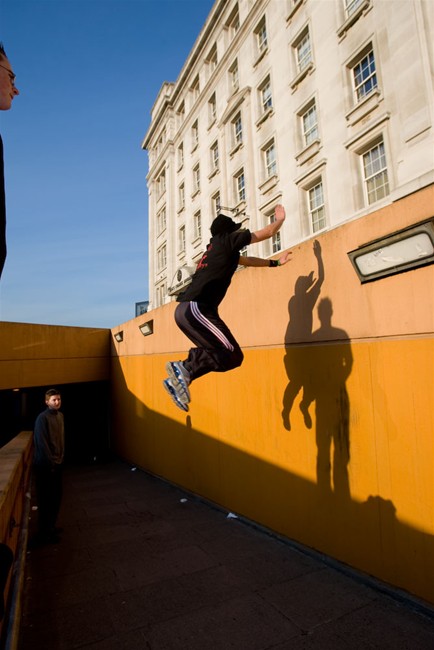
pixel 144 566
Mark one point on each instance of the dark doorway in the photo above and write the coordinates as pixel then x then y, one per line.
pixel 86 410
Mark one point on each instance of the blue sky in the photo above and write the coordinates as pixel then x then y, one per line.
pixel 88 72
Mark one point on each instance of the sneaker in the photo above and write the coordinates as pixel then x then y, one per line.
pixel 167 383
pixel 180 379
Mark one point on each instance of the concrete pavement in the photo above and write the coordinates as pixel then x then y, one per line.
pixel 142 565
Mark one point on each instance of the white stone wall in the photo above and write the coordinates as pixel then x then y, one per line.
pixel 395 116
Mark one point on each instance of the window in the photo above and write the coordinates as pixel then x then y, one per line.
pixel 181 196
pixel 196 179
pixel 375 173
pixel 180 155
pixel 161 294
pixel 212 59
pixel 214 157
pixel 195 89
pixel 303 51
pixel 233 22
pixel 316 207
pixel 181 239
pixel 270 163
pixel 240 187
pixel 160 142
pixel 266 97
pixel 261 37
pixel 194 135
pixel 351 6
pixel 212 109
pixel 161 184
pixel 216 204
pixel 276 240
pixel 180 114
pixel 197 221
pixel 237 130
pixel 364 75
pixel 161 258
pixel 309 121
pixel 234 77
pixel 161 220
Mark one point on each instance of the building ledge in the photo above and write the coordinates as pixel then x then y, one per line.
pixel 301 75
pixel 213 173
pixel 236 148
pixel 267 185
pixel 264 116
pixel 349 22
pixel 260 57
pixel 296 6
pixel 364 107
pixel 308 152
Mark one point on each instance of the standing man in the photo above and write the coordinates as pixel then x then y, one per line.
pixel 8 90
pixel 197 314
pixel 49 442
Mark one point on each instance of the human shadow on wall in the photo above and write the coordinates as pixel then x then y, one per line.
pixel 299 330
pixel 281 500
pixel 331 367
pixel 318 364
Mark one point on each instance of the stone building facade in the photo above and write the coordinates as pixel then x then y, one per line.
pixel 325 106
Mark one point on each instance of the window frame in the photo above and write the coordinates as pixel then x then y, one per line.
pixel 182 244
pixel 195 89
pixel 302 62
pixel 304 65
pixel 269 169
pixel 234 77
pixel 374 144
pixel 161 257
pixel 196 179
pixel 197 225
pixel 161 220
pixel 237 133
pixel 212 59
pixel 315 209
pixel 266 101
pixel 216 204
pixel 180 156
pixel 161 292
pixel 357 61
pixel 161 183
pixel 215 157
pixel 181 196
pixel 311 134
pixel 212 109
pixel 233 24
pixel 240 189
pixel 261 37
pixel 275 242
pixel 195 135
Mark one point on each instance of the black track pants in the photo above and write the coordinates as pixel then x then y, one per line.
pixel 217 349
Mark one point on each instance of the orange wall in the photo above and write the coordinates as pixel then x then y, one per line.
pixel 38 355
pixel 357 481
pixel 15 469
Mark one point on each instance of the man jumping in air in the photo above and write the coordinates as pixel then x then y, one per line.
pixel 197 313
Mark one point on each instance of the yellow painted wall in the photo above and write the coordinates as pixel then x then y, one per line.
pixel 368 375
pixel 15 470
pixel 38 355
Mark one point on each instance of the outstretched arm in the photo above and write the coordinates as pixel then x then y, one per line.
pixel 272 228
pixel 317 253
pixel 259 261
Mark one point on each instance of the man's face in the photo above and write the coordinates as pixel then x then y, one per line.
pixel 54 402
pixel 7 85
